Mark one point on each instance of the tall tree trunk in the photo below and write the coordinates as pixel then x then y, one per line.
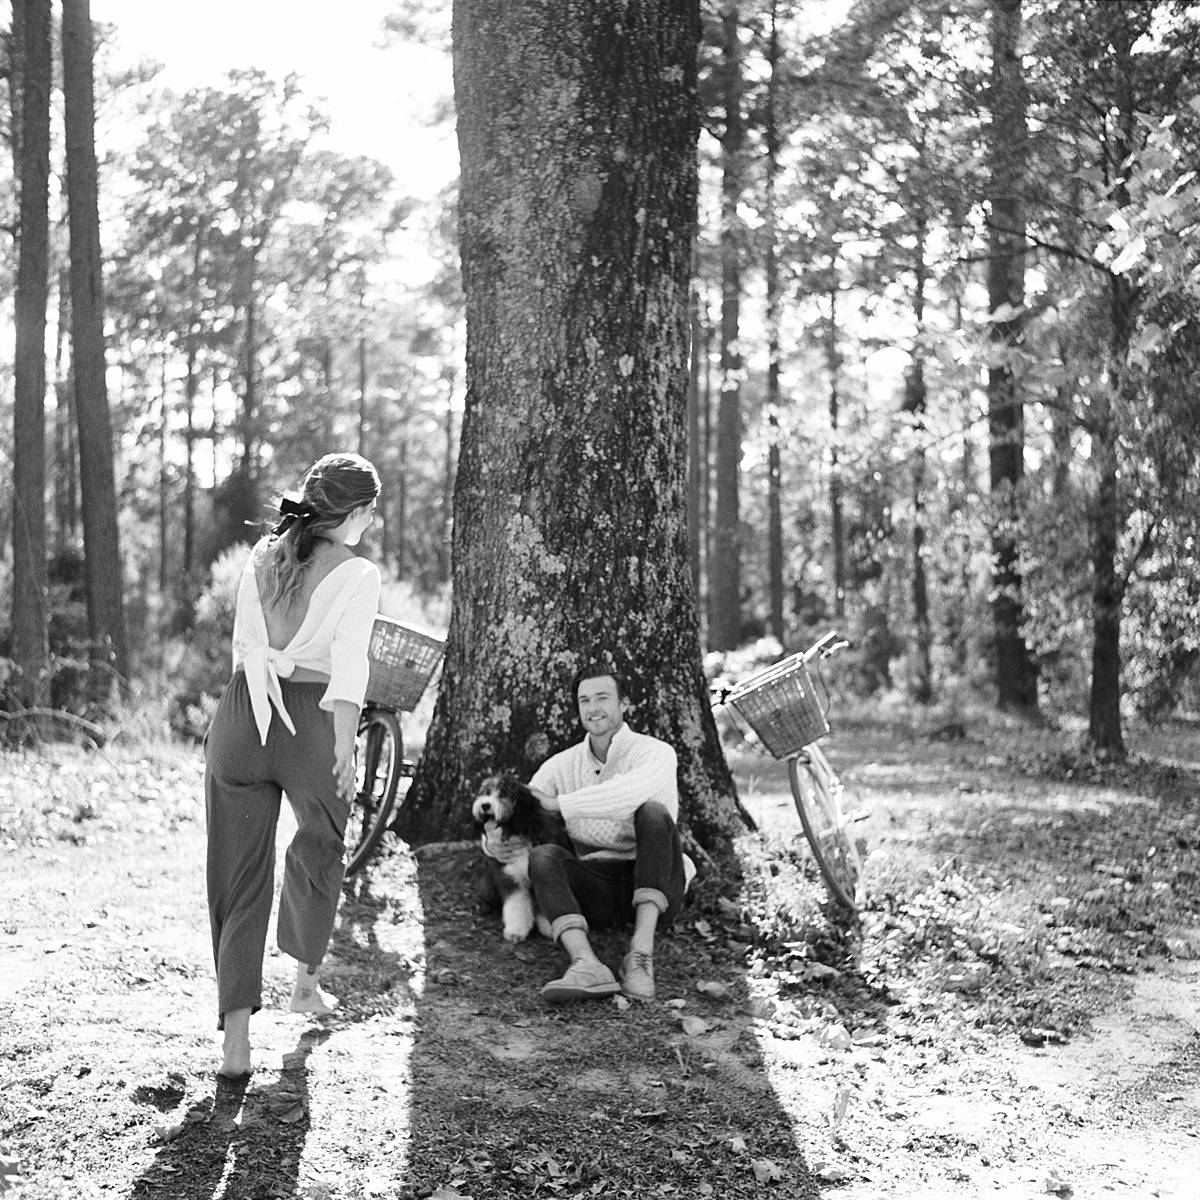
pixel 247 496
pixel 707 440
pixel 725 575
pixel 401 489
pixel 190 386
pixel 102 549
pixel 363 419
pixel 921 680
pixel 1104 707
pixel 774 455
pixel 1016 672
pixel 164 494
pixel 31 81
pixel 833 364
pixel 66 450
pixel 577 129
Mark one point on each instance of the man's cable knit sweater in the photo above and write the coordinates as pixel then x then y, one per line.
pixel 598 799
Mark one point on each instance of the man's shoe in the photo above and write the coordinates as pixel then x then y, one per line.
pixel 582 980
pixel 637 975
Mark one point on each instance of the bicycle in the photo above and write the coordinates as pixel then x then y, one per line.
pixel 402 662
pixel 781 706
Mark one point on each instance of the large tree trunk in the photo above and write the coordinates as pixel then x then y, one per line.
pixel 725 573
pixel 695 471
pixel 1016 672
pixel 31 82
pixel 577 126
pixel 102 551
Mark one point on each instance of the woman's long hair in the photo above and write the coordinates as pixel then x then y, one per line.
pixel 332 488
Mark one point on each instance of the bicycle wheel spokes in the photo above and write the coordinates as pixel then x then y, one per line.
pixel 817 793
pixel 379 754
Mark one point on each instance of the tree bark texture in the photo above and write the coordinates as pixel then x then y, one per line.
pixel 32 82
pixel 1016 672
pixel 725 574
pixel 695 470
pixel 102 553
pixel 577 125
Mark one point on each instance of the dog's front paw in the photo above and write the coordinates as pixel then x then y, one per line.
pixel 515 935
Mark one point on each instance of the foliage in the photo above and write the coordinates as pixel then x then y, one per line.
pixel 230 209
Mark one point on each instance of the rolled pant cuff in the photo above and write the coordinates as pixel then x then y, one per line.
pixel 560 925
pixel 648 895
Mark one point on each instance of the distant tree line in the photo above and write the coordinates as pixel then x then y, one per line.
pixel 942 386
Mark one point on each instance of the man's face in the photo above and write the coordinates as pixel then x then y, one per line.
pixel 601 708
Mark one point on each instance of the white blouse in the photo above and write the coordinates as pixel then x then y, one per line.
pixel 333 638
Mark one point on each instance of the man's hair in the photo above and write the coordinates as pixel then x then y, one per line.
pixel 597 670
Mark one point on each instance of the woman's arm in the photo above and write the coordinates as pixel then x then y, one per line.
pixel 345 727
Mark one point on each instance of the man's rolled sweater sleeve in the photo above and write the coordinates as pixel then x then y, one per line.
pixel 648 774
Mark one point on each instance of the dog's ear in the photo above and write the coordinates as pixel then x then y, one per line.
pixel 526 810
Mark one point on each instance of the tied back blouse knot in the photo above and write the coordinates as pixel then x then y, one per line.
pixel 333 638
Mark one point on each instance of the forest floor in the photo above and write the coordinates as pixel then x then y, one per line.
pixel 1016 1015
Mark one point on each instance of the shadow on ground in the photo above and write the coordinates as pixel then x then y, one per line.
pixel 509 1096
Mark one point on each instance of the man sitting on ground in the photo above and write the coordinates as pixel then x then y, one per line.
pixel 616 792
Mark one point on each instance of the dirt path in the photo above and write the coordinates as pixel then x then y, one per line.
pixel 1009 1021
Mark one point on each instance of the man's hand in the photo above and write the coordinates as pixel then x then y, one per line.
pixel 548 802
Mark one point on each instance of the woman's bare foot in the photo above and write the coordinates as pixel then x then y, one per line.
pixel 307 996
pixel 236 1059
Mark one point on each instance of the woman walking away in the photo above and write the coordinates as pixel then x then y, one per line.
pixel 286 723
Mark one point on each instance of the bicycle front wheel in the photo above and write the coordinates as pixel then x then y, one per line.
pixel 379 753
pixel 818 794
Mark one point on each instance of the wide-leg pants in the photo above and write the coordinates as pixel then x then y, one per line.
pixel 243 783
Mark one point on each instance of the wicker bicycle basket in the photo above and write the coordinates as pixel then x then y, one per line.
pixel 782 707
pixel 402 661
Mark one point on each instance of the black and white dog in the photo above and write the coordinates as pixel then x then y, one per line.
pixel 506 805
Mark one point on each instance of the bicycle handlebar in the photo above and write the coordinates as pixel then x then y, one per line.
pixel 831 643
pixel 828 644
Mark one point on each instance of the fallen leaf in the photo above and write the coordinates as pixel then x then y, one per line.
pixel 835 1037
pixel 830 1172
pixel 713 989
pixel 1056 1185
pixel 765 1171
pixel 868 1037
pixel 737 1145
pixel 694 1026
pixel 167 1133
pixel 1184 948
pixel 841 1102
